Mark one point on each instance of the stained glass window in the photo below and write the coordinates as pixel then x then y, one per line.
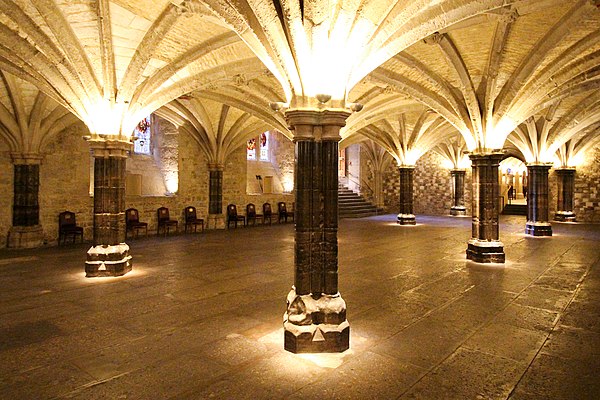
pixel 264 146
pixel 251 149
pixel 143 132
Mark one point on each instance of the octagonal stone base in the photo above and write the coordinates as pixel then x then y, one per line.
pixel 538 228
pixel 485 251
pixel 315 325
pixel 458 210
pixel 406 219
pixel 105 260
pixel 215 221
pixel 25 237
pixel 564 216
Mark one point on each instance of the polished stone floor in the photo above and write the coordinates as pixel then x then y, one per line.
pixel 200 318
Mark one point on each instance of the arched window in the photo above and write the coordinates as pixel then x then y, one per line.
pixel 251 149
pixel 264 146
pixel 143 133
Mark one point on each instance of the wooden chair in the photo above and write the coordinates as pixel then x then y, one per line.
pixel 67 226
pixel 133 224
pixel 283 213
pixel 191 219
pixel 251 214
pixel 164 221
pixel 232 216
pixel 267 213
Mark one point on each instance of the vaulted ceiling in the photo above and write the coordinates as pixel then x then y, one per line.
pixel 485 66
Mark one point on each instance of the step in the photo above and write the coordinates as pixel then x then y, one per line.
pixel 515 209
pixel 353 205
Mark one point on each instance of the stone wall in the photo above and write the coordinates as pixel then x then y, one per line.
pixel 587 188
pixel 6 192
pixel 432 187
pixel 280 166
pixel 65 182
pixel 282 154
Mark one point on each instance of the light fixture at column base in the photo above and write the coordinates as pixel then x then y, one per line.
pixel 316 325
pixel 103 260
pixel 25 237
pixel 538 228
pixel 485 251
pixel 458 210
pixel 406 219
pixel 564 216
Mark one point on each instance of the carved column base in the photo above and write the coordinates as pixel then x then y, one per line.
pixel 406 219
pixel 315 325
pixel 25 237
pixel 215 221
pixel 564 216
pixel 105 260
pixel 458 210
pixel 485 251
pixel 538 228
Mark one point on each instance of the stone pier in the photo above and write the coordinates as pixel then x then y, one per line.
pixel 406 215
pixel 109 255
pixel 26 231
pixel 458 192
pixel 216 219
pixel 566 188
pixel 537 200
pixel 315 319
pixel 484 245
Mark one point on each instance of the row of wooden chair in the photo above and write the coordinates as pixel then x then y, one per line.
pixel 67 225
pixel 165 223
pixel 251 216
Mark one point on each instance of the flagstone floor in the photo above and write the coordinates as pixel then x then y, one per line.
pixel 200 317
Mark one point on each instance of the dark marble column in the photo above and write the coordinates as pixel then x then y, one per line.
pixel 315 320
pixel 109 255
pixel 215 196
pixel 484 245
pixel 26 231
pixel 406 216
pixel 458 192
pixel 566 188
pixel 537 200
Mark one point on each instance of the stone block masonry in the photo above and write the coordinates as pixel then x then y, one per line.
pixel 432 187
pixel 587 188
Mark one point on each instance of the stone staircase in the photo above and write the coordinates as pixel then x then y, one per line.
pixel 353 205
pixel 515 209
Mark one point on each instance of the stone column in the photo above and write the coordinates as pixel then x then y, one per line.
pixel 484 246
pixel 26 231
pixel 458 192
pixel 378 195
pixel 215 197
pixel 566 188
pixel 406 216
pixel 109 255
pixel 315 319
pixel 537 201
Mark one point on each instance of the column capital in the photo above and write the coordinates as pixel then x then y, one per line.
pixel 306 123
pixel 565 169
pixel 215 166
pixel 26 158
pixel 458 171
pixel 539 165
pixel 103 147
pixel 486 156
pixel 406 166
